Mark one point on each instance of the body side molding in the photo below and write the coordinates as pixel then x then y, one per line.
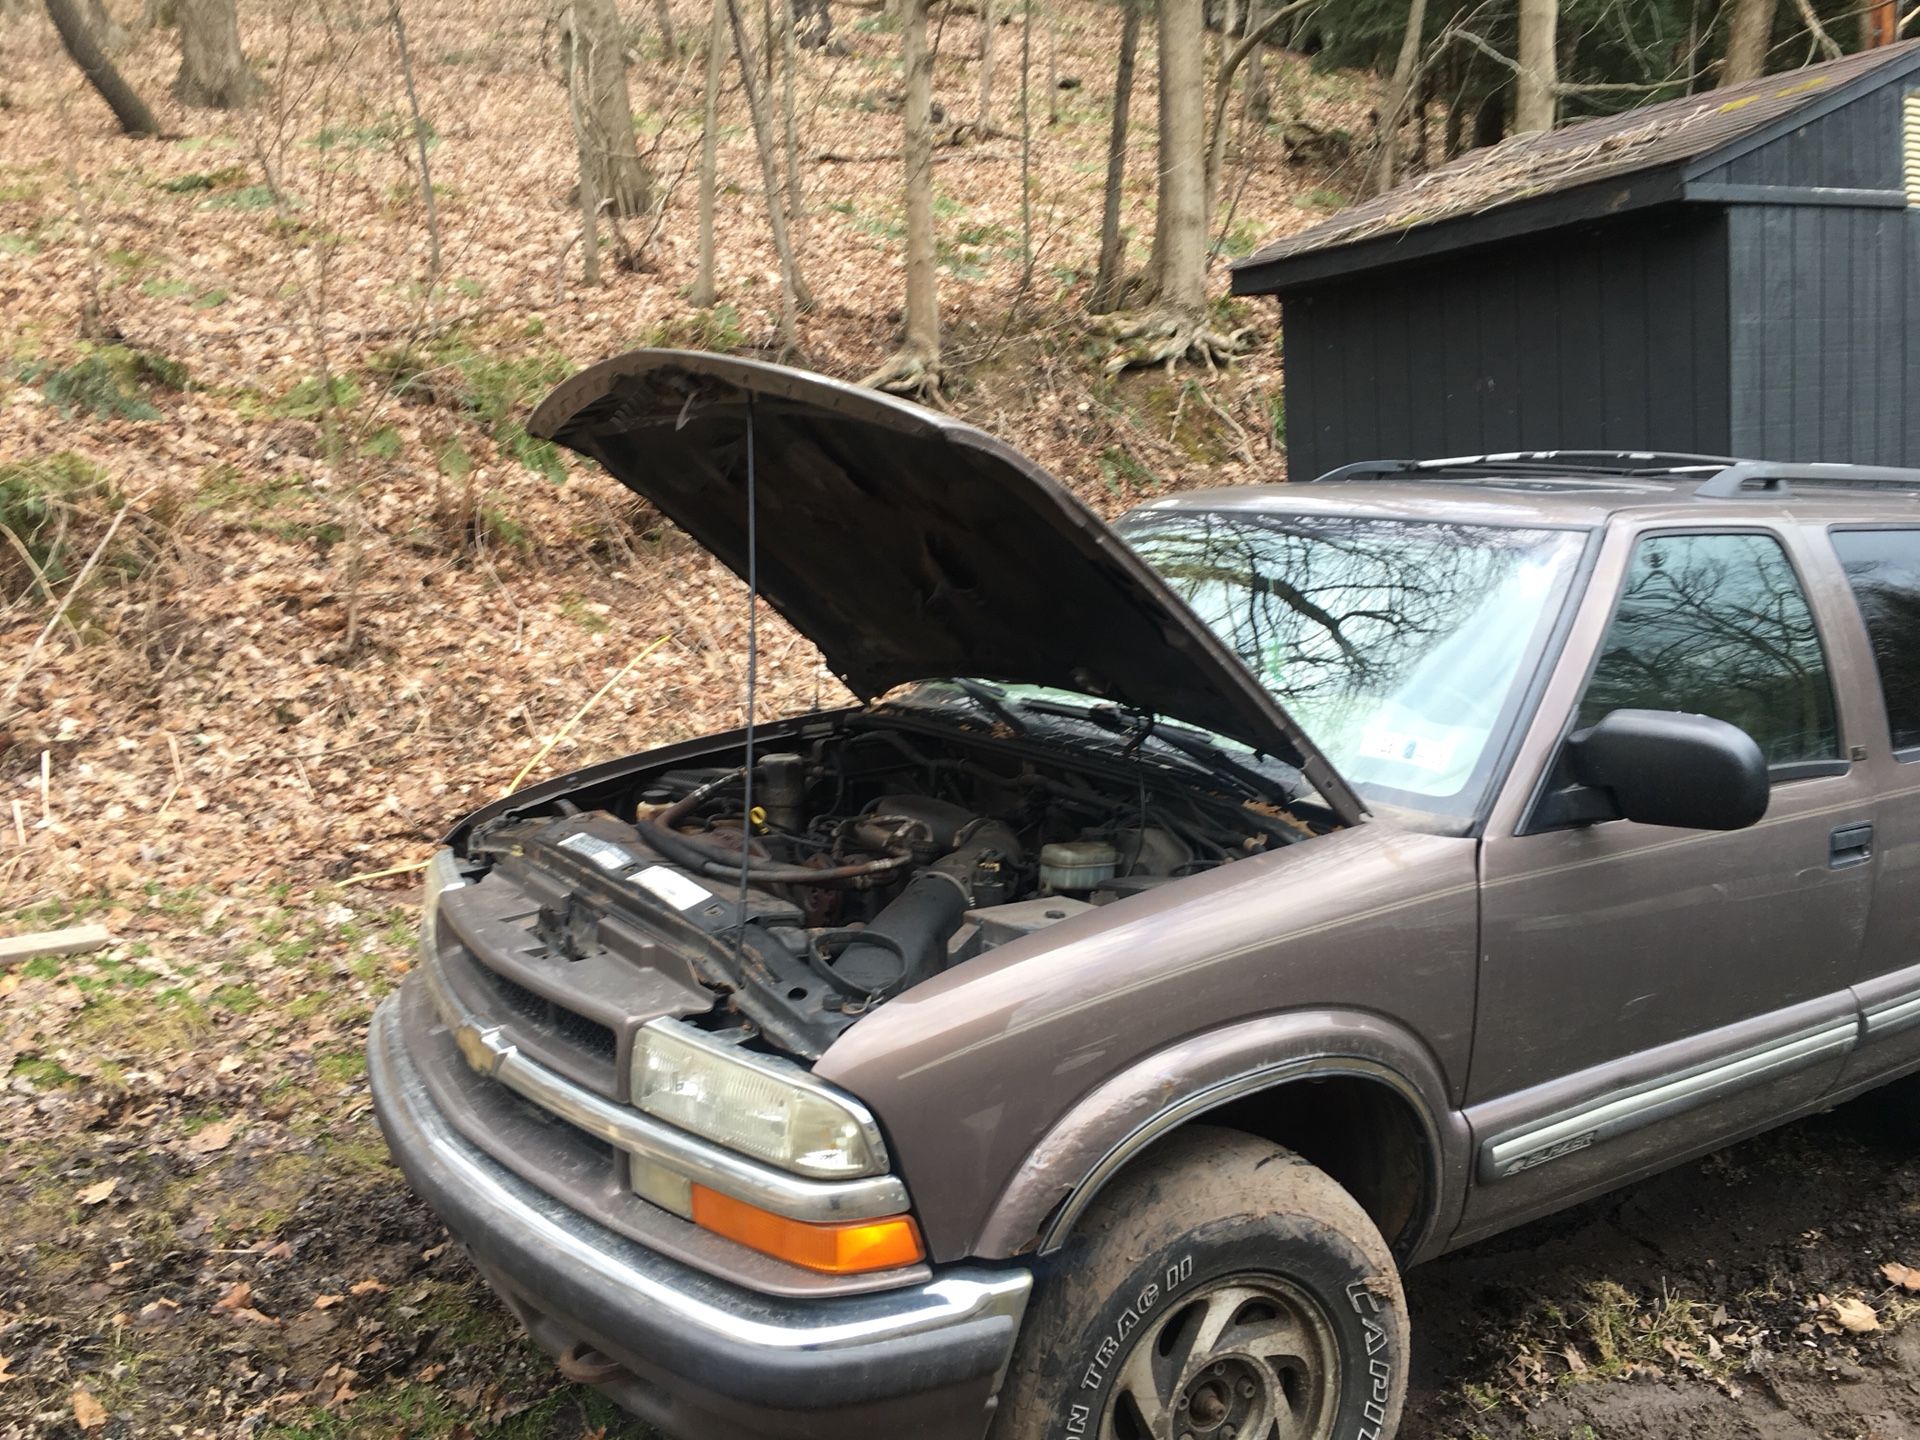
pixel 1889 1003
pixel 1621 1111
pixel 1892 1016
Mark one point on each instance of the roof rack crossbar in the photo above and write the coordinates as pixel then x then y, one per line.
pixel 1762 477
pixel 1624 463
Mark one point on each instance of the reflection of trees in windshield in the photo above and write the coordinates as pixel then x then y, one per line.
pixel 1394 643
pixel 1336 605
pixel 1718 625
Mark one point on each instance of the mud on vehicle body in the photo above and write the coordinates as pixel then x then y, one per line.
pixel 1195 921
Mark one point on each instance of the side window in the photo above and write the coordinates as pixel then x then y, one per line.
pixel 1718 625
pixel 1883 567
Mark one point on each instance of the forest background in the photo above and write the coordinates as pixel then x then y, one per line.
pixel 286 587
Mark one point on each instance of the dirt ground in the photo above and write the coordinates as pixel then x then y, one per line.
pixel 281 1282
pixel 332 615
pixel 1696 1304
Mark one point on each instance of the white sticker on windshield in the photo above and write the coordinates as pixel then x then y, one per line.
pixel 1422 752
pixel 673 887
pixel 604 853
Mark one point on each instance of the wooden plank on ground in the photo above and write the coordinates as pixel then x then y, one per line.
pixel 76 940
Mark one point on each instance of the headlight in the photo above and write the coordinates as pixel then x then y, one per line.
pixel 443 874
pixel 757 1106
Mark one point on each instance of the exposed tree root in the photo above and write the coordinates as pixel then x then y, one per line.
pixel 1167 337
pixel 913 371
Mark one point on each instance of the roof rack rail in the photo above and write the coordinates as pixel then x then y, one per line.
pixel 1625 464
pixel 1763 477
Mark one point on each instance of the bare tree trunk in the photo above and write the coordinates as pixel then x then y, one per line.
pixel 1749 37
pixel 915 368
pixel 587 193
pixel 704 292
pixel 399 24
pixel 1026 147
pixel 1879 24
pixel 1223 92
pixel 1693 44
pixel 983 121
pixel 213 69
pixel 923 302
pixel 1259 95
pixel 1161 162
pixel 1457 107
pixel 84 49
pixel 1399 90
pixel 794 295
pixel 1177 328
pixel 1534 94
pixel 593 62
pixel 1182 237
pixel 790 115
pixel 669 39
pixel 1107 275
pixel 1053 65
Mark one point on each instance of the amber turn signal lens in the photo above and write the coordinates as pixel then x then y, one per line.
pixel 847 1249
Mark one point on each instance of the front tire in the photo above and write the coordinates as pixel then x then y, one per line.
pixel 1220 1289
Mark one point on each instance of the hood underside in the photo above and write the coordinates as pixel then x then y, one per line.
pixel 909 546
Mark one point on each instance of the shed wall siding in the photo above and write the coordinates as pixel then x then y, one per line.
pixel 1853 148
pixel 1606 338
pixel 1824 359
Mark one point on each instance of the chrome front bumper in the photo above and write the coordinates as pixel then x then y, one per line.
pixel 700 1357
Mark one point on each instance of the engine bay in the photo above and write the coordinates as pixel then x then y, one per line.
pixel 860 856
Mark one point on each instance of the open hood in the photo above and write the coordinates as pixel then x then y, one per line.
pixel 910 546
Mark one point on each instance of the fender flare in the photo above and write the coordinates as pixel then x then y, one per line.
pixel 1115 1122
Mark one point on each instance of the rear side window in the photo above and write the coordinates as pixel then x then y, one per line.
pixel 1883 566
pixel 1718 625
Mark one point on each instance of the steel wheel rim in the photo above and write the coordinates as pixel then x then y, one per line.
pixel 1245 1357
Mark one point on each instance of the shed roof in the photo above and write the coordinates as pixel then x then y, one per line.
pixel 1653 146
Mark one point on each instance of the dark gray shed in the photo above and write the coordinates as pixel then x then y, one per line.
pixel 1735 273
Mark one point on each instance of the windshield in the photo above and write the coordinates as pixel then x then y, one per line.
pixel 1400 646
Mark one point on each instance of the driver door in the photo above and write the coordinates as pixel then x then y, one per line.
pixel 1648 993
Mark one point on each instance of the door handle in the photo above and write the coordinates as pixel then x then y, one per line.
pixel 1850 845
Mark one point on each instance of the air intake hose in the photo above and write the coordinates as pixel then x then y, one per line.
pixel 907 940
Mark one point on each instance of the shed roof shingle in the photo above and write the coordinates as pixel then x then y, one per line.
pixel 1528 166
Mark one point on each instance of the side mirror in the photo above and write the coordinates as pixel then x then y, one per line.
pixel 1665 768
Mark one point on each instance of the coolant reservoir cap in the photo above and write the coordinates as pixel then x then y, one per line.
pixel 1069 865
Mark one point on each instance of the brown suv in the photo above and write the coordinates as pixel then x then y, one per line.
pixel 1201 920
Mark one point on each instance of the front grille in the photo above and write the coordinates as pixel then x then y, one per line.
pixel 563 1025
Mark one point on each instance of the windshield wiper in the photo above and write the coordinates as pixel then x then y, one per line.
pixel 1139 727
pixel 1293 786
pixel 1110 718
pixel 990 698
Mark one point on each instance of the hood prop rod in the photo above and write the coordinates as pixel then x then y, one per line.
pixel 753 676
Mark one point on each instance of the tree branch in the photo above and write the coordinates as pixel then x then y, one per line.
pixel 1223 87
pixel 83 47
pixel 1819 32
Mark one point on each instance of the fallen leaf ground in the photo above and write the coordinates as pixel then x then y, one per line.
pixel 337 614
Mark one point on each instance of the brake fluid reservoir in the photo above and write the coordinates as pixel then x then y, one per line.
pixel 1067 866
